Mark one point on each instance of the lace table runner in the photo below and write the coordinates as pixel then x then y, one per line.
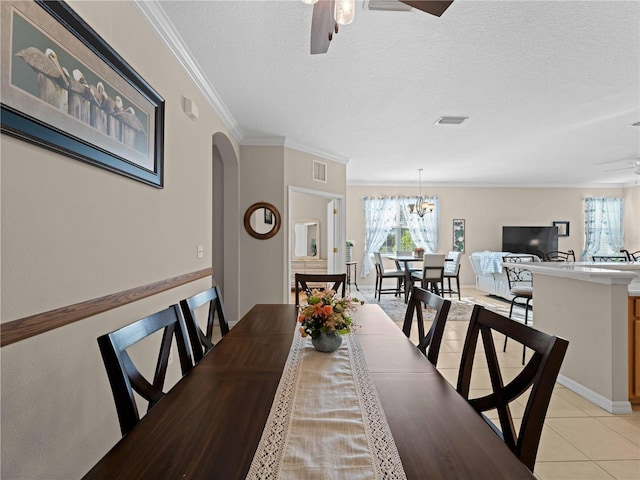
pixel 326 421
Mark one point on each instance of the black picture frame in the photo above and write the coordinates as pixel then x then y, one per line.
pixel 126 134
pixel 563 228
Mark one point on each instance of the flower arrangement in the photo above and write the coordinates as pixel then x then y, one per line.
pixel 351 243
pixel 419 250
pixel 326 313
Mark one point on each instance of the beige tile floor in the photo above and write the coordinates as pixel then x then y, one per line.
pixel 580 440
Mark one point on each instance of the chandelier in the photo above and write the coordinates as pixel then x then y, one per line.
pixel 422 206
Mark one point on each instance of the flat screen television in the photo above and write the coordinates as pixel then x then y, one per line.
pixel 529 239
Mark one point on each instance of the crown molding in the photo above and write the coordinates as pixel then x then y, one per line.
pixel 283 142
pixel 273 141
pixel 155 16
pixel 383 183
pixel 334 157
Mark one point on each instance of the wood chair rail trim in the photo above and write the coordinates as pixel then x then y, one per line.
pixel 27 327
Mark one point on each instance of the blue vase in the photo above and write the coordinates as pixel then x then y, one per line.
pixel 327 342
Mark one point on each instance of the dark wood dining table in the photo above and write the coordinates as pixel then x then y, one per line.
pixel 209 424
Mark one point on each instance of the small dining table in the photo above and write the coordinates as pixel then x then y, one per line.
pixel 406 260
pixel 210 423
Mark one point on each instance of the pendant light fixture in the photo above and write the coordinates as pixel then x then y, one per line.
pixel 344 11
pixel 421 206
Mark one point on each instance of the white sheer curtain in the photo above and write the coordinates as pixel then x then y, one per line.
pixel 424 230
pixel 614 228
pixel 604 231
pixel 379 219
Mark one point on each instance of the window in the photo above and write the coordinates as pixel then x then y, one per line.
pixel 399 239
pixel 389 228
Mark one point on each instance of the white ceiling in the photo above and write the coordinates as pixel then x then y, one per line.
pixel 551 88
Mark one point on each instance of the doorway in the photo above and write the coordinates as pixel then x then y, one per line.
pixel 329 209
pixel 225 238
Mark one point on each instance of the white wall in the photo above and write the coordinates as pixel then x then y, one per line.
pixel 72 232
pixel 486 210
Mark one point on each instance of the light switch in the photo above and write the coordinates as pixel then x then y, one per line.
pixel 200 251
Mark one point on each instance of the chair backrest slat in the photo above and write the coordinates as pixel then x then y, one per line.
pixel 432 340
pixel 609 258
pixel 202 342
pixel 432 268
pixel 539 374
pixel 631 256
pixel 123 375
pixel 303 280
pixel 518 275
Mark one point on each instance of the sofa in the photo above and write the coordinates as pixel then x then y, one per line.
pixel 490 276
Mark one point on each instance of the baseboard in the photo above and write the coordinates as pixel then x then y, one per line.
pixel 615 407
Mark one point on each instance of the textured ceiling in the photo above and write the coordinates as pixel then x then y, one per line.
pixel 551 88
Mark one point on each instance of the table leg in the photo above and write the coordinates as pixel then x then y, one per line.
pixel 408 282
pixel 355 276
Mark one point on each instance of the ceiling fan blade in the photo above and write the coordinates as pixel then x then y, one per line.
pixel 434 7
pixel 322 24
pixel 629 167
pixel 618 160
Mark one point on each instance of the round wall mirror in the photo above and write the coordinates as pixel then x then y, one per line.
pixel 262 220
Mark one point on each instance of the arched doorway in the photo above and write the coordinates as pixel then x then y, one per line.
pixel 225 249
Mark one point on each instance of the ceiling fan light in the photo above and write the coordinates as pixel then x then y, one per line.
pixel 309 2
pixel 344 11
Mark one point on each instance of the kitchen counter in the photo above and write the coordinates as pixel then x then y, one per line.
pixel 587 304
pixel 611 273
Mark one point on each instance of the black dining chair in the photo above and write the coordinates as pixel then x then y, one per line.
pixel 320 282
pixel 520 282
pixel 557 256
pixel 202 342
pixel 428 343
pixel 609 258
pixel 431 277
pixel 381 274
pixel 631 256
pixel 538 376
pixel 452 272
pixel 123 375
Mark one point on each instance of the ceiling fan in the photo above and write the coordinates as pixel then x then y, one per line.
pixel 635 166
pixel 329 14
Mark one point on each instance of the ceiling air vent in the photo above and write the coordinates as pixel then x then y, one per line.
pixel 450 120
pixel 637 124
pixel 319 171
